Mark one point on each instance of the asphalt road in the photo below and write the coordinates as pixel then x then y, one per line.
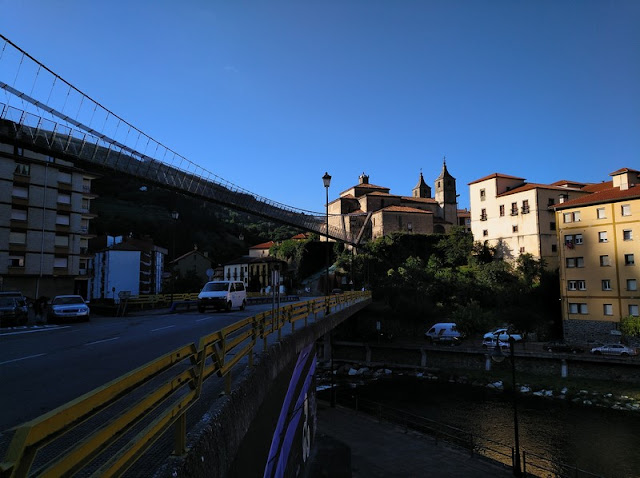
pixel 43 367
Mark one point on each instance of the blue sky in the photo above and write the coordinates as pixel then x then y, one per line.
pixel 271 94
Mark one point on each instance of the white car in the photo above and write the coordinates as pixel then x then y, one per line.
pixel 68 307
pixel 490 343
pixel 614 349
pixel 503 334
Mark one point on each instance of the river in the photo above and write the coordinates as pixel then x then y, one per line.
pixel 601 441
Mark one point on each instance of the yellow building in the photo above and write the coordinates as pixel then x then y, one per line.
pixel 516 217
pixel 599 273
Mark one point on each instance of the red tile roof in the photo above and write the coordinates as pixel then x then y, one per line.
pixel 530 186
pixel 604 195
pixel 264 245
pixel 406 209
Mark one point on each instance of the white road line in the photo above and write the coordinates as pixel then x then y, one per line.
pixel 205 318
pixel 101 341
pixel 22 358
pixel 31 331
pixel 162 328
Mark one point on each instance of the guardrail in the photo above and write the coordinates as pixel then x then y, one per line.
pixel 106 430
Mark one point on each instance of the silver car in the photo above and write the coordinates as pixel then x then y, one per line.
pixel 68 307
pixel 614 349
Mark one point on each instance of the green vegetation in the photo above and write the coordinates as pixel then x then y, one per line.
pixel 630 326
pixel 424 279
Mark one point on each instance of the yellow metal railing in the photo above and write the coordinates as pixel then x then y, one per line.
pixel 133 411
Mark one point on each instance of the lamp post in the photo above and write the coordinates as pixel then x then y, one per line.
pixel 326 179
pixel 174 215
pixel 498 356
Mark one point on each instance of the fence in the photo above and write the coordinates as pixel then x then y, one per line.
pixel 104 431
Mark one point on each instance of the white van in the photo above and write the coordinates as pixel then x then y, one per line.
pixel 444 332
pixel 222 294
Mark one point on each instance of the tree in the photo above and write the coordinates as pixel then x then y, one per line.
pixel 630 326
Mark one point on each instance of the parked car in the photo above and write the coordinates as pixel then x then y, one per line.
pixel 13 311
pixel 614 349
pixel 490 343
pixel 503 333
pixel 68 307
pixel 560 346
pixel 444 332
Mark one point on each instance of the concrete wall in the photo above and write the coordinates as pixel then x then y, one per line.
pixel 213 446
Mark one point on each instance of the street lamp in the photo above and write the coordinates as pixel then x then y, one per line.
pixel 498 356
pixel 174 215
pixel 326 180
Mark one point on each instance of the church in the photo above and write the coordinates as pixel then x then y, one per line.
pixel 367 211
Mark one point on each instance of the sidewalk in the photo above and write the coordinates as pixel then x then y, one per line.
pixel 352 444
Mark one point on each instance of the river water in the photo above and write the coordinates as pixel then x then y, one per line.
pixel 601 441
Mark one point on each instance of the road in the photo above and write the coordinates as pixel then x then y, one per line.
pixel 44 367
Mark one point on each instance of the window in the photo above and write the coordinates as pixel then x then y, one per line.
pixel 514 228
pixel 629 260
pixel 20 192
pixel 602 236
pixel 22 169
pixel 61 241
pixel 501 210
pixel 522 250
pixel 577 239
pixel 606 284
pixel 578 308
pixel 85 204
pixel 627 235
pixel 576 216
pixel 633 310
pixel 551 202
pixel 575 262
pixel 601 213
pixel 568 217
pixel 19 215
pixel 554 248
pixel 60 262
pixel 16 261
pixel 514 208
pixel 552 225
pixel 607 309
pixel 571 240
pixel 572 285
pixel 64 177
pixel 409 226
pixel 626 210
pixel 17 237
pixel 483 195
pixel 632 284
pixel 64 198
pixel 485 232
pixel 604 261
pixel 63 219
pixel 483 215
pixel 525 206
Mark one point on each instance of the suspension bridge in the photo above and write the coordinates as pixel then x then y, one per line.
pixel 46 113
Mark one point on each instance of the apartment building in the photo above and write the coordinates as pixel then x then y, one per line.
pixel 599 269
pixel 517 217
pixel 375 212
pixel 45 211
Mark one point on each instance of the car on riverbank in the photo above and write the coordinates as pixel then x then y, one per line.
pixel 560 346
pixel 503 333
pixel 615 349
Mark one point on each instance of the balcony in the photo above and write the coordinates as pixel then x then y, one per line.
pixel 483 217
pixel 514 212
pixel 525 209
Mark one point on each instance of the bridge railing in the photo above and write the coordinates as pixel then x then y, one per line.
pixel 106 430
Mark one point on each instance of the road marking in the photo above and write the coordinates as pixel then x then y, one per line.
pixel 101 341
pixel 162 328
pixel 31 331
pixel 205 318
pixel 22 358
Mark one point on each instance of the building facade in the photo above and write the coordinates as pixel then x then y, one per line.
pixel 129 265
pixel 517 217
pixel 599 270
pixel 371 211
pixel 45 212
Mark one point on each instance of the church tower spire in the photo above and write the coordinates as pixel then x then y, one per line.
pixel 446 194
pixel 421 190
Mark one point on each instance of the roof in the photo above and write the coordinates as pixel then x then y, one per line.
pixel 252 260
pixel 300 237
pixel 604 195
pixel 365 186
pixel 531 186
pixel 404 209
pixel 416 199
pixel 495 176
pixel 187 254
pixel 264 245
pixel 624 170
